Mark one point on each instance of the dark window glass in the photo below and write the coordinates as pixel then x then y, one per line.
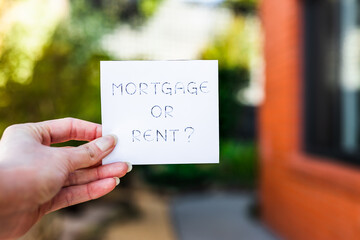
pixel 332 78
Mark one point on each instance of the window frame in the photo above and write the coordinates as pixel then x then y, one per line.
pixel 310 81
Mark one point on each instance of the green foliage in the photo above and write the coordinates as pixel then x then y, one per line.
pixel 238 159
pixel 233 52
pixel 148 7
pixel 233 48
pixel 242 6
pixel 130 11
pixel 67 71
pixel 237 168
pixel 64 78
pixel 21 42
pixel 64 81
pixel 238 163
pixel 230 110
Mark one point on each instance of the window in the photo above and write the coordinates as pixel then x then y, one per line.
pixel 332 79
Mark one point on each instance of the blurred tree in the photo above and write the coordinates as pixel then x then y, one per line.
pixel 57 73
pixel 237 166
pixel 242 6
pixel 49 68
pixel 233 50
pixel 131 11
pixel 148 7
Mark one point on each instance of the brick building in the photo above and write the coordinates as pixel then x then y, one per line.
pixel 308 124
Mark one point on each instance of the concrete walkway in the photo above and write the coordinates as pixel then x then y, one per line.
pixel 201 216
pixel 215 216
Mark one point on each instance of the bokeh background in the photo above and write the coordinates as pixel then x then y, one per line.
pixel 289 91
pixel 49 68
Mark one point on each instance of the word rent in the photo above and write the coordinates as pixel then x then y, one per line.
pixel 165 135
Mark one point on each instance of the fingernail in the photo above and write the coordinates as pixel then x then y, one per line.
pixel 129 166
pixel 117 180
pixel 106 142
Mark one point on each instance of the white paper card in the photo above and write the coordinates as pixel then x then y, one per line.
pixel 163 112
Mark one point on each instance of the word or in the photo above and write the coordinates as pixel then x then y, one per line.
pixel 157 88
pixel 157 111
pixel 166 135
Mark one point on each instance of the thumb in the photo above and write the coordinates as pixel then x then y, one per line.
pixel 91 153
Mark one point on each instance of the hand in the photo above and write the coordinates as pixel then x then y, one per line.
pixel 36 179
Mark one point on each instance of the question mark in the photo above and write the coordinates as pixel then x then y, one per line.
pixel 191 129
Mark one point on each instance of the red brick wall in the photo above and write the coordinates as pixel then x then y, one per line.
pixel 302 197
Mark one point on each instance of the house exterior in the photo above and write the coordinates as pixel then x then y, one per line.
pixel 308 124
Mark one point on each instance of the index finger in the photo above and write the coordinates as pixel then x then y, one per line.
pixel 65 129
